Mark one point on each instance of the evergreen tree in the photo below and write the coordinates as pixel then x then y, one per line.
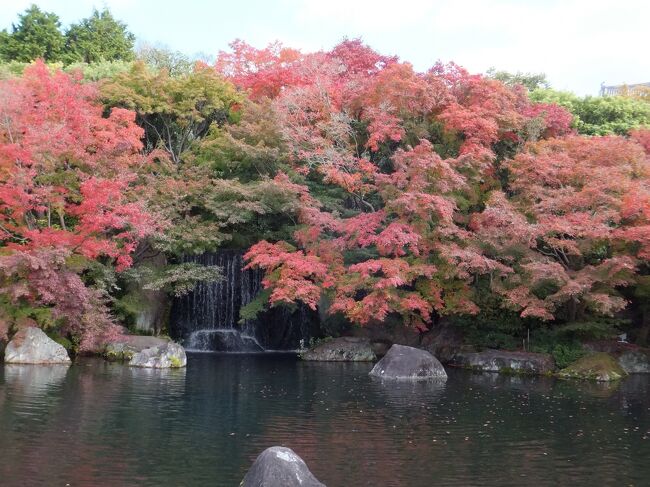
pixel 99 37
pixel 36 35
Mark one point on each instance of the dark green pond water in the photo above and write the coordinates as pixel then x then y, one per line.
pixel 96 423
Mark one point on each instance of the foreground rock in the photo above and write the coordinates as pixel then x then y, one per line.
pixel 600 367
pixel 165 356
pixel 279 467
pixel 635 361
pixel 505 362
pixel 127 346
pixel 408 363
pixel 33 346
pixel 343 349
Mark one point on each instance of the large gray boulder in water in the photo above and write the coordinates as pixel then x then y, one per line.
pixel 279 467
pixel 408 363
pixel 343 349
pixel 32 346
pixel 168 355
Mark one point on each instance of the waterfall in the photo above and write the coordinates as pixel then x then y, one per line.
pixel 208 317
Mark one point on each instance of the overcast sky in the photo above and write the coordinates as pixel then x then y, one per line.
pixel 577 43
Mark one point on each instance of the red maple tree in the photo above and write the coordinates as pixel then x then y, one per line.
pixel 67 180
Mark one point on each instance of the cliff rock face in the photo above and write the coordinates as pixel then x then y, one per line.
pixel 408 363
pixel 153 306
pixel 280 467
pixel 33 346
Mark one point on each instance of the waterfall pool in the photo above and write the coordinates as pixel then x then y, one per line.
pixel 209 318
pixel 98 423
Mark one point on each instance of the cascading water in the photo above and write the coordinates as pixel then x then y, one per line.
pixel 208 317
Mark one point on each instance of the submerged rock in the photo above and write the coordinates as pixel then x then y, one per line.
pixel 408 363
pixel 343 349
pixel 600 367
pixel 33 346
pixel 505 362
pixel 279 467
pixel 168 355
pixel 635 361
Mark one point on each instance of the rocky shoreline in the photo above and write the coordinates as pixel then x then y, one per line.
pixel 603 361
pixel 32 346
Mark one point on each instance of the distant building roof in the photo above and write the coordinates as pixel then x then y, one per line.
pixel 622 89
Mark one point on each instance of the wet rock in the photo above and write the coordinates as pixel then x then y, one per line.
pixel 612 347
pixel 151 308
pixel 343 349
pixel 408 363
pixel 380 347
pixel 600 367
pixel 635 361
pixel 168 355
pixel 5 325
pixel 443 342
pixel 505 362
pixel 33 346
pixel 390 334
pixel 279 467
pixel 127 346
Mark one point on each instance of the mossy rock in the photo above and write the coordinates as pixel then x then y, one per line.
pixel 127 346
pixel 342 349
pixel 119 352
pixel 600 367
pixel 505 362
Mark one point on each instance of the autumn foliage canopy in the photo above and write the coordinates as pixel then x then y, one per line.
pixel 449 179
pixel 67 196
pixel 407 194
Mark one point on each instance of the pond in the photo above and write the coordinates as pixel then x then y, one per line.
pixel 99 423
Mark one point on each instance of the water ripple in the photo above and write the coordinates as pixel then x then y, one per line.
pixel 97 423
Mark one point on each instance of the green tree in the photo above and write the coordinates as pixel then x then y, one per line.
pixel 101 70
pixel 159 58
pixel 37 35
pixel 599 115
pixel 99 37
pixel 531 81
pixel 174 111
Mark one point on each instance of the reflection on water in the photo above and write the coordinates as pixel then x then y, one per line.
pixel 98 423
pixel 35 379
pixel 406 395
